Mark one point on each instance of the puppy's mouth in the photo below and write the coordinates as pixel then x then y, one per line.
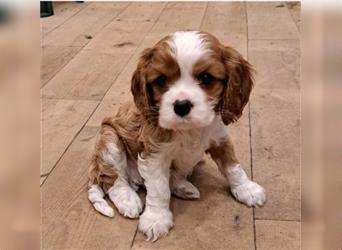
pixel 184 123
pixel 178 123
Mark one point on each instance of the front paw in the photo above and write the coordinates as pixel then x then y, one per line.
pixel 126 200
pixel 155 223
pixel 250 193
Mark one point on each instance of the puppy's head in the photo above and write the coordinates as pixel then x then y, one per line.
pixel 188 78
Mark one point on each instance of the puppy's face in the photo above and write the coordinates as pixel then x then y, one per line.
pixel 188 78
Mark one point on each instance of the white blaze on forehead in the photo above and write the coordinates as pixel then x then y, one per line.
pixel 187 48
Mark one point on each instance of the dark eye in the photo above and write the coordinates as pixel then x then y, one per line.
pixel 205 78
pixel 161 80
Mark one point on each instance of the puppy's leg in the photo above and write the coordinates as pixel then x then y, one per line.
pixel 125 198
pixel 180 186
pixel 101 174
pixel 244 190
pixel 157 218
pixel 109 163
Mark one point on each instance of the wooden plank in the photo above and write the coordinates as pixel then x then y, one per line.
pixel 227 21
pixel 275 120
pixel 83 80
pixel 61 120
pixel 270 20
pixel 179 16
pixel 125 33
pixel 53 59
pixel 62 12
pixel 295 10
pixel 78 30
pixel 86 77
pixel 68 219
pixel 278 234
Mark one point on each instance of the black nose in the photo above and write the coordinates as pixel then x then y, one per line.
pixel 182 108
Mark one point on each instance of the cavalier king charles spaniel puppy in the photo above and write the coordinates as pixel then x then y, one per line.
pixel 186 89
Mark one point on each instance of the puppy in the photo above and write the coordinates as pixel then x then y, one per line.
pixel 186 89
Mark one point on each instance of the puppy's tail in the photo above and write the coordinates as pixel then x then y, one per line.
pixel 95 192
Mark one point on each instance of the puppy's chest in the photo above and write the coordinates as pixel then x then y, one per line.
pixel 188 149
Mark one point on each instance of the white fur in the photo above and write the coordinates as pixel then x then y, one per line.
pixel 95 195
pixel 185 88
pixel 245 190
pixel 155 222
pixel 187 49
pixel 115 157
pixel 157 219
pixel 126 200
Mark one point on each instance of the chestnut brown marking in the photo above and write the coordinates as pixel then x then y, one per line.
pixel 216 68
pixel 131 133
pixel 154 62
pixel 223 154
pixel 211 65
pixel 239 79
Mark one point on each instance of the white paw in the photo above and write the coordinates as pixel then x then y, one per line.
pixel 95 196
pixel 185 190
pixel 155 223
pixel 126 200
pixel 249 193
pixel 104 208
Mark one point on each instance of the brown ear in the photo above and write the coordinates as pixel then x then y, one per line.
pixel 138 89
pixel 141 91
pixel 238 85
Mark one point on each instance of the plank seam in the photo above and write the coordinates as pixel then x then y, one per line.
pixel 61 67
pixel 274 39
pixel 69 99
pixel 269 219
pixel 250 128
pixel 83 7
pixel 135 234
pixel 204 14
pixel 292 17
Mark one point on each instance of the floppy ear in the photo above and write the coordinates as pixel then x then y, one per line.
pixel 238 86
pixel 139 90
pixel 142 92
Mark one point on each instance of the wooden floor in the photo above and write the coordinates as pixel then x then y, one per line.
pixel 89 51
